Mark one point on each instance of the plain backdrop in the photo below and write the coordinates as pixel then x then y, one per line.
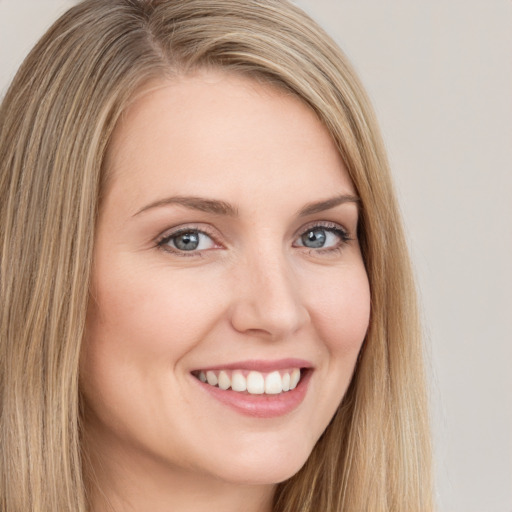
pixel 440 76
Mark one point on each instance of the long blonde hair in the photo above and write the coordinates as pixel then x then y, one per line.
pixel 56 122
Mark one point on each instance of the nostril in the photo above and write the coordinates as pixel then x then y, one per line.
pixel 269 317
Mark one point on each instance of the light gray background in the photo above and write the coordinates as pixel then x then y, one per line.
pixel 440 76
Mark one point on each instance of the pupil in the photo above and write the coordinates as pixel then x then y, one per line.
pixel 314 239
pixel 187 241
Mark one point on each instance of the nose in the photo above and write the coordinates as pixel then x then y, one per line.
pixel 267 299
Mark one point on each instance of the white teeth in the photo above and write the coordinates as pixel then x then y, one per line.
pixel 294 378
pixel 224 380
pixel 273 384
pixel 255 383
pixel 286 382
pixel 211 378
pixel 238 382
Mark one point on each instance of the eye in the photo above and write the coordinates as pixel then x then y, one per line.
pixel 187 240
pixel 322 237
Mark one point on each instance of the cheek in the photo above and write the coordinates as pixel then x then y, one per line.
pixel 341 311
pixel 139 331
pixel 148 317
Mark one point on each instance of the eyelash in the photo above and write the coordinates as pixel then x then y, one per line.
pixel 340 232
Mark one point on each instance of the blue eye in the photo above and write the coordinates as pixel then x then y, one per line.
pixel 314 239
pixel 187 241
pixel 320 237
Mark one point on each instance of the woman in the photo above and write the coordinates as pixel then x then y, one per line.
pixel 206 295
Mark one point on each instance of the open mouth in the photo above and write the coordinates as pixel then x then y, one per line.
pixel 253 382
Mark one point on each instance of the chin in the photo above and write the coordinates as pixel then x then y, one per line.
pixel 262 467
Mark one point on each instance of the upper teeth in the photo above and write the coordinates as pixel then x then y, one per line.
pixel 255 383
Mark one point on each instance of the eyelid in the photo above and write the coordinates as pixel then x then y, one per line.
pixel 335 226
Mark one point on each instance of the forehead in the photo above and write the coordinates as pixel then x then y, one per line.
pixel 222 134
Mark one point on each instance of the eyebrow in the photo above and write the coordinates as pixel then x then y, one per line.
pixel 218 207
pixel 327 204
pixel 195 203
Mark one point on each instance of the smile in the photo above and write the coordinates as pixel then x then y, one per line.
pixel 252 382
pixel 262 389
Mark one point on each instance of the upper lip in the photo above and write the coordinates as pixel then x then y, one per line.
pixel 261 365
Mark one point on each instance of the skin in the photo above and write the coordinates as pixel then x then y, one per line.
pixel 156 440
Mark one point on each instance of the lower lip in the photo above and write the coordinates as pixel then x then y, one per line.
pixel 261 406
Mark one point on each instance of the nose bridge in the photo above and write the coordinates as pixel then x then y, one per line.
pixel 268 297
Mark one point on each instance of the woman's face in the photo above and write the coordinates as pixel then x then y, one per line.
pixel 225 250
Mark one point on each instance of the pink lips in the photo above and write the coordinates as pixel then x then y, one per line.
pixel 261 406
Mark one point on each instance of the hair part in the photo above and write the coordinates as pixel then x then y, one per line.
pixel 57 119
